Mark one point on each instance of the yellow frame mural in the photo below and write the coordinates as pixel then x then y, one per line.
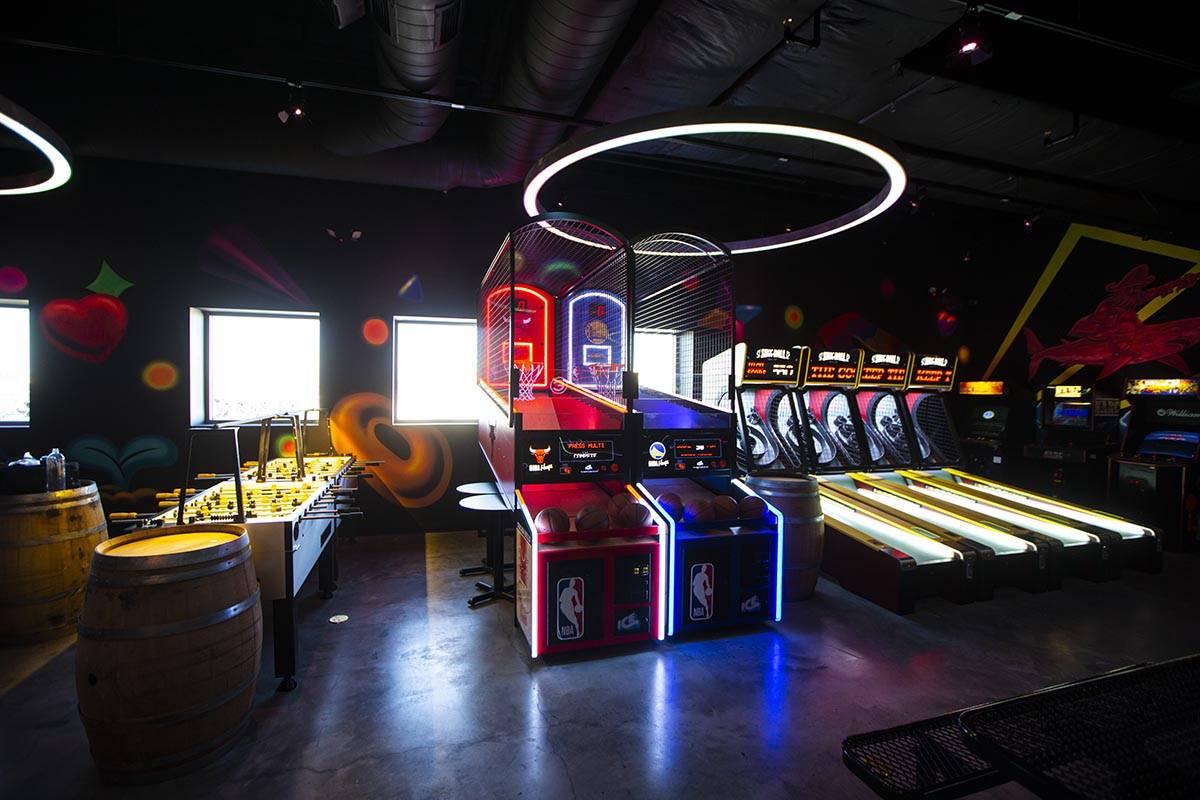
pixel 1060 256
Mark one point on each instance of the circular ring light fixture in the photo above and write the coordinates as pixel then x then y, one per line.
pixel 45 141
pixel 743 120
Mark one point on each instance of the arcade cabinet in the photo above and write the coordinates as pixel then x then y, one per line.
pixel 724 543
pixel 555 342
pixel 1153 477
pixel 992 425
pixel 1073 441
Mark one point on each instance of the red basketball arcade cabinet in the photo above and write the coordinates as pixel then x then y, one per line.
pixel 554 350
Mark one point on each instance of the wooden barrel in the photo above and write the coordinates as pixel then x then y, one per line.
pixel 46 540
pixel 170 642
pixel 799 500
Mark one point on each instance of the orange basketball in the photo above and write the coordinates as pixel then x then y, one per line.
pixel 591 518
pixel 618 502
pixel 671 504
pixel 633 515
pixel 724 507
pixel 752 507
pixel 552 520
pixel 699 510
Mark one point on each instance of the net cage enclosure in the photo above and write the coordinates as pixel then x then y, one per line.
pixel 554 313
pixel 683 331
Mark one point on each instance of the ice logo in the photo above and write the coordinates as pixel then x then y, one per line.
pixel 657 450
pixel 701 605
pixel 751 605
pixel 570 608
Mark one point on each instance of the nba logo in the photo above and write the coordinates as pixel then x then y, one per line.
pixel 570 608
pixel 700 606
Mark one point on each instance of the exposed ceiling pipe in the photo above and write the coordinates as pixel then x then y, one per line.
pixel 416 48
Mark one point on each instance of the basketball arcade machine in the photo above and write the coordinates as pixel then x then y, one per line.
pixel 1111 542
pixel 869 550
pixel 1154 474
pixel 724 543
pixel 554 350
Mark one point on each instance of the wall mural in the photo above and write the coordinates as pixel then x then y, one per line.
pixel 233 254
pixel 417 462
pixel 120 463
pixel 91 327
pixel 411 290
pixel 1114 336
pixel 1123 316
pixel 161 376
pixel 12 280
pixel 850 330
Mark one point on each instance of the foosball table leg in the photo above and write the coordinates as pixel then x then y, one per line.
pixel 327 569
pixel 287 645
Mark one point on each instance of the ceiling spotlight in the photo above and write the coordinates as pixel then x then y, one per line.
pixel 1031 220
pixel 972 46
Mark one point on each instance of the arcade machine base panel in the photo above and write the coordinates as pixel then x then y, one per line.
pixel 598 587
pixel 725 570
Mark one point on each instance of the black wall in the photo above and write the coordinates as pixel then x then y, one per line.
pixel 151 223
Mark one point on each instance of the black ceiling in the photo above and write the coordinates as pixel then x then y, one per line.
pixel 973 134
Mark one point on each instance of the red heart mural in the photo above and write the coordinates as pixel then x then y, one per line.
pixel 88 329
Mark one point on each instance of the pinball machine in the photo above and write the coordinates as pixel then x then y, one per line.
pixel 1099 543
pixel 554 374
pixel 1153 477
pixel 724 542
pixel 869 549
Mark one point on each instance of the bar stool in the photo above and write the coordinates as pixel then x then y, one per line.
pixel 498 511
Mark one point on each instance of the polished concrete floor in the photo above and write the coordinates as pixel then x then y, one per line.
pixel 417 696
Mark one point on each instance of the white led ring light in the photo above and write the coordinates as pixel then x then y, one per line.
pixel 735 119
pixel 45 141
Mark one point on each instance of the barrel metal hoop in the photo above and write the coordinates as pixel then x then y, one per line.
pixel 33 601
pixel 62 537
pixel 164 720
pixel 817 518
pixel 170 628
pixel 106 581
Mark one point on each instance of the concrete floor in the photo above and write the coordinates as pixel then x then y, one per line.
pixel 417 696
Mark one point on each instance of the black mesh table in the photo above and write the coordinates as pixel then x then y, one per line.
pixel 1132 733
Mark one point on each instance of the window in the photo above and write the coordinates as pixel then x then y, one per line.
pixel 254 363
pixel 656 359
pixel 434 370
pixel 14 363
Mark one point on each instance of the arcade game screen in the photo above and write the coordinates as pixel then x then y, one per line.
pixel 1069 414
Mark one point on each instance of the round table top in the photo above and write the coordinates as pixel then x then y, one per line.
pixel 483 487
pixel 484 502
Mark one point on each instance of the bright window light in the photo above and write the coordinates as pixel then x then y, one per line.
pixel 14 363
pixel 261 363
pixel 434 370
pixel 655 359
pixel 714 380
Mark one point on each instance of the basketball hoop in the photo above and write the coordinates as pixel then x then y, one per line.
pixel 607 379
pixel 530 375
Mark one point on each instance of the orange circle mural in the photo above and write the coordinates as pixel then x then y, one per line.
pixel 416 462
pixel 160 375
pixel 375 331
